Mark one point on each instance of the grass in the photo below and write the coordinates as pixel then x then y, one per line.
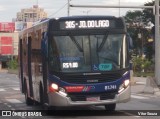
pixel 143 74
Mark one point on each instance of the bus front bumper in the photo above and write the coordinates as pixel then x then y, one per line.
pixel 57 99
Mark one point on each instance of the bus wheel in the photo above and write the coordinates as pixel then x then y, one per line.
pixel 29 101
pixel 41 95
pixel 110 107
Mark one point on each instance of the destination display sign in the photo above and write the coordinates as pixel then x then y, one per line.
pixel 87 24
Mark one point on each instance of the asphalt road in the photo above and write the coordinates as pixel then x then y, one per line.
pixel 11 99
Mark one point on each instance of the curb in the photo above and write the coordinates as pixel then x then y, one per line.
pixel 3 71
pixel 13 72
pixel 151 86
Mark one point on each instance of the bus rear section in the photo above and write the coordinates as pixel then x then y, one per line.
pixel 85 61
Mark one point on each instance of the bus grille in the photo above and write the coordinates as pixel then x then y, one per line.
pixel 83 97
pixel 88 79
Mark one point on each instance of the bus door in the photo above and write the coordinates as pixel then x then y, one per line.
pixel 29 67
pixel 21 65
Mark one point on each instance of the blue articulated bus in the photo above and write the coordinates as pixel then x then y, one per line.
pixel 74 61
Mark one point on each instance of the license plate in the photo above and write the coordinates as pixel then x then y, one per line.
pixel 93 98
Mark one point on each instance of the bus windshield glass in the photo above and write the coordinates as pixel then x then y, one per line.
pixel 88 53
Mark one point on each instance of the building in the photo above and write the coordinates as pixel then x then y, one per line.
pixel 9 32
pixel 8 43
pixel 31 14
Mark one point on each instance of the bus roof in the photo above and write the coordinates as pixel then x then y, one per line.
pixel 58 24
pixel 85 17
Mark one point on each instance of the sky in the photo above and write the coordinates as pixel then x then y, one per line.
pixel 58 8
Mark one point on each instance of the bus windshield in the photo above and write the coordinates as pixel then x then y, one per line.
pixel 88 53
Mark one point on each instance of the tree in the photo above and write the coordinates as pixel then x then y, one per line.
pixel 138 22
pixel 136 28
pixel 148 13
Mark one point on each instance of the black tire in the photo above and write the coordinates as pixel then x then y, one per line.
pixel 41 94
pixel 110 107
pixel 48 109
pixel 28 100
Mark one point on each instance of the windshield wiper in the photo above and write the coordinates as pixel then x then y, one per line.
pixel 103 42
pixel 76 43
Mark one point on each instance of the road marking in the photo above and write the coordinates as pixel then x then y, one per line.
pixel 2 89
pixel 9 106
pixel 137 116
pixel 141 83
pixel 14 85
pixel 139 97
pixel 13 109
pixel 14 101
pixel 15 88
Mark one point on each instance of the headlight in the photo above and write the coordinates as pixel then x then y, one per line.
pixel 126 83
pixel 123 86
pixel 53 87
